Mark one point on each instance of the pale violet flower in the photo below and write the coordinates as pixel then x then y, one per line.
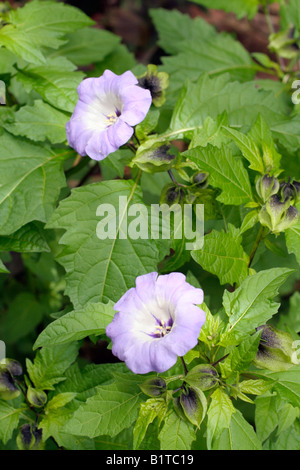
pixel 107 109
pixel 156 321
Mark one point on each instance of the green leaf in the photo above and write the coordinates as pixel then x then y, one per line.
pixel 78 324
pixel 3 269
pixel 50 364
pixel 101 269
pixel 251 305
pixel 108 412
pixel 266 417
pixel 287 416
pixel 211 132
pixel 88 45
pixel 56 82
pixel 240 435
pixel 226 172
pixel 174 28
pixel 59 401
pixel 39 122
pixel 248 148
pixel 261 134
pixel 40 24
pixel 176 433
pixel 223 255
pixel 286 383
pixel 241 356
pixel 9 420
pixel 212 96
pixel 240 7
pixel 24 314
pixel 29 238
pixel 151 409
pixel 30 166
pixel 255 387
pixel 219 415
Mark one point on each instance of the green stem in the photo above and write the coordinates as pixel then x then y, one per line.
pixel 256 244
pixel 184 365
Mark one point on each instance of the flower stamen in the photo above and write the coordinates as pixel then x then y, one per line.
pixel 162 329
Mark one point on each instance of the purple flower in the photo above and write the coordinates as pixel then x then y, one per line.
pixel 157 321
pixel 107 109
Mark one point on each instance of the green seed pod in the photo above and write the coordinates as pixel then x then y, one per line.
pixel 156 82
pixel 267 186
pixel 154 387
pixel 8 388
pixel 155 157
pixel 277 215
pixel 275 349
pixel 203 376
pixel 13 366
pixel 29 438
pixel 194 405
pixel 201 179
pixel 172 194
pixel 36 398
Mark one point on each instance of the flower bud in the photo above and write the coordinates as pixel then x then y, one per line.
pixel 201 179
pixel 275 350
pixel 13 366
pixel 194 405
pixel 203 376
pixel 29 438
pixel 155 157
pixel 287 191
pixel 277 215
pixel 172 194
pixel 8 388
pixel 36 398
pixel 156 82
pixel 154 387
pixel 267 186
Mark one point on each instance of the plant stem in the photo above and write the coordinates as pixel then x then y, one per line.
pixel 219 360
pixel 256 244
pixel 184 366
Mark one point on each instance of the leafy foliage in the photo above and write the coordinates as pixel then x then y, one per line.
pixel 231 140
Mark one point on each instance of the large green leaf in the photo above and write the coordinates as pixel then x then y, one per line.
pixel 176 433
pixel 56 82
pixel 29 238
pixel 212 96
pixel 50 364
pixel 101 269
pixel 174 29
pixel 39 122
pixel 40 24
pixel 266 416
pixel 252 305
pixel 29 184
pixel 286 383
pixel 223 255
pixel 91 320
pixel 219 415
pixel 225 172
pixel 114 407
pixel 9 419
pixel 240 435
pixel 88 45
